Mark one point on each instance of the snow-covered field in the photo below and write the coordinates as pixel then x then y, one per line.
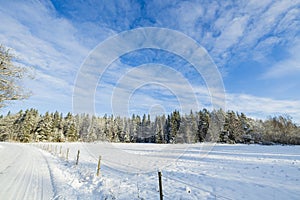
pixel 129 171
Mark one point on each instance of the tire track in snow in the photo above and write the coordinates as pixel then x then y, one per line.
pixel 61 189
pixel 40 185
pixel 8 164
pixel 27 176
pixel 16 181
pixel 54 188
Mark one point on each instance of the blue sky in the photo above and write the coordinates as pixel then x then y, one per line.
pixel 255 45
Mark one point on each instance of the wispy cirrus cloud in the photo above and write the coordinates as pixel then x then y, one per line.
pixel 261 107
pixel 55 37
pixel 150 94
pixel 290 66
pixel 44 39
pixel 46 43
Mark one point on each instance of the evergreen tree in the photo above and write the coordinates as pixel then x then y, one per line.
pixel 94 130
pixel 44 128
pixel 216 126
pixel 159 134
pixel 184 131
pixel 58 135
pixel 28 123
pixel 70 131
pixel 84 126
pixel 167 129
pixel 192 137
pixel 175 124
pixel 126 130
pixel 203 125
pixel 117 130
pixel 7 127
pixel 138 129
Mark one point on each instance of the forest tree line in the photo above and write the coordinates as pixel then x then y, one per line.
pixel 201 126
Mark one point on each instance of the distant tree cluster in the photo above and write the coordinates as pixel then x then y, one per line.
pixel 216 126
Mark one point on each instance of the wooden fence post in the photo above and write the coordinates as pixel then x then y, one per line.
pixel 98 168
pixel 160 186
pixel 67 154
pixel 77 157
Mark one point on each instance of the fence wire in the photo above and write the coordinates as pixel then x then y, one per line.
pixel 137 177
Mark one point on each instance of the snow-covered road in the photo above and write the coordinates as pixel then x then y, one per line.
pixel 24 173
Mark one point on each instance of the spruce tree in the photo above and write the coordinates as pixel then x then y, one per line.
pixel 44 128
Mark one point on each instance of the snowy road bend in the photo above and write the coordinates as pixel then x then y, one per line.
pixel 24 173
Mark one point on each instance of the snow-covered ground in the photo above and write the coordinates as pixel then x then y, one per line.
pixel 129 171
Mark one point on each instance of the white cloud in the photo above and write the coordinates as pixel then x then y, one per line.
pixel 154 81
pixel 40 37
pixel 288 66
pixel 262 107
pixel 242 27
pixel 47 43
pixel 230 36
pixel 56 46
